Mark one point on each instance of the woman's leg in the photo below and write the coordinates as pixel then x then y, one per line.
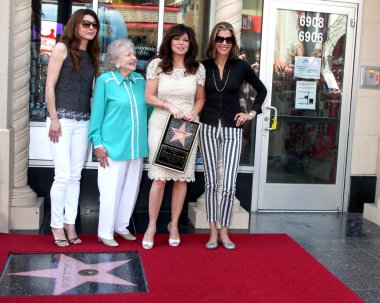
pixel 209 147
pixel 79 153
pixel 129 195
pixel 178 199
pixel 61 157
pixel 110 183
pixel 231 148
pixel 155 200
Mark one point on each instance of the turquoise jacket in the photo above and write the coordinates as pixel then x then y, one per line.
pixel 119 116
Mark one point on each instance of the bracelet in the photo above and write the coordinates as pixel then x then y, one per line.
pixel 252 115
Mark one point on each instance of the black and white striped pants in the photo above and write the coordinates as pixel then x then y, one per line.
pixel 224 142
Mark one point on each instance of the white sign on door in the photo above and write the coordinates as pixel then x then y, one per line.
pixel 307 67
pixel 306 93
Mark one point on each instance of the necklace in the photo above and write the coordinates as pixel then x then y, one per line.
pixel 225 82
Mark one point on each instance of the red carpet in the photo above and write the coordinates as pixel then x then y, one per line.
pixel 263 268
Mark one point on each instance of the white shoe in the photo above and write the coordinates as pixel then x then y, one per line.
pixel 106 242
pixel 147 244
pixel 127 236
pixel 173 242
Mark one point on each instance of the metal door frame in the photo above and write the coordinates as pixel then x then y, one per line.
pixel 267 50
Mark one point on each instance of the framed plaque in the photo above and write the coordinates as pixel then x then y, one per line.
pixel 176 144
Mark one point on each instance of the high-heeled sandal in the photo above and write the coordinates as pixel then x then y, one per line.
pixel 148 244
pixel 57 242
pixel 75 241
pixel 60 242
pixel 173 242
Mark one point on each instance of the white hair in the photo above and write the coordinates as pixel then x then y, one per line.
pixel 114 50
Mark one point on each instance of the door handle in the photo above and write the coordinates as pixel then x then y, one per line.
pixel 274 122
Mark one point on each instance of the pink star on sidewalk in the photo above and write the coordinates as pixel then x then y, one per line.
pixel 72 273
pixel 180 134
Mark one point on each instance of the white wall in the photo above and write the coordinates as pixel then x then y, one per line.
pixel 6 154
pixel 367 115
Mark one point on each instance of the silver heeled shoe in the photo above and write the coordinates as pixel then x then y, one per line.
pixel 212 245
pixel 107 242
pixel 227 245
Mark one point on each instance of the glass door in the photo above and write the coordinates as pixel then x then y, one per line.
pixel 309 59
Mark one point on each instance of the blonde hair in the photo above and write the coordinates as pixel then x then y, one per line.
pixel 211 49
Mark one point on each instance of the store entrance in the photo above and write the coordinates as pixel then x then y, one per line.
pixel 308 62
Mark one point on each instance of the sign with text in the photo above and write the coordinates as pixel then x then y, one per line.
pixel 306 93
pixel 176 144
pixel 307 67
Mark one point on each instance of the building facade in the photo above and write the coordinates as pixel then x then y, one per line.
pixel 314 147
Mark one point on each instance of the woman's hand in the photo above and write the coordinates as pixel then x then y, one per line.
pixel 174 110
pixel 55 131
pixel 241 118
pixel 189 117
pixel 102 155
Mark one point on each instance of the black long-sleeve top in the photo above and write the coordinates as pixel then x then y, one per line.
pixel 224 105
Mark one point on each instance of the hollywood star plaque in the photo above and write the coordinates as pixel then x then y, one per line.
pixel 177 142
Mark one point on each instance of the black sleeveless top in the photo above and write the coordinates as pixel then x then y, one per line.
pixel 74 88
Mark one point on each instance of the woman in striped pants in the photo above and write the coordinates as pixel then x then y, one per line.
pixel 222 118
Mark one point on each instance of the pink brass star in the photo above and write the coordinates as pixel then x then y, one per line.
pixel 67 274
pixel 180 134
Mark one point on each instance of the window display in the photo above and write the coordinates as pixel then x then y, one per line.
pixel 250 45
pixel 48 21
pixel 139 21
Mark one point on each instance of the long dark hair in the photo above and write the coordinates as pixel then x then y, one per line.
pixel 211 49
pixel 71 39
pixel 166 54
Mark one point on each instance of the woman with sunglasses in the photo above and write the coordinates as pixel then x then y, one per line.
pixel 71 70
pixel 221 132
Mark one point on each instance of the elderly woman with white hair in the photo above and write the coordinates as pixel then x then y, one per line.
pixel 118 132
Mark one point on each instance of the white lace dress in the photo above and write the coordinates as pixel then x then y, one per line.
pixel 180 90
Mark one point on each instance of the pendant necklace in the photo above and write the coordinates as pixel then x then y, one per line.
pixel 225 82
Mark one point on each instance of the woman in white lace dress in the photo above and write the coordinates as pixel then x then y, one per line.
pixel 174 85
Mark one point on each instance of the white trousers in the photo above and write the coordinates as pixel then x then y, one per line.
pixel 119 187
pixel 69 155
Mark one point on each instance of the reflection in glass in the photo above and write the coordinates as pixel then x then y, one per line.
pixel 135 20
pixel 250 45
pixel 47 24
pixel 306 90
pixel 193 13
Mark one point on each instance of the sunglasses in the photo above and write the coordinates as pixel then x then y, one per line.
pixel 88 23
pixel 220 39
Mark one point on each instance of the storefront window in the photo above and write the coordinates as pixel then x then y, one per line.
pixel 250 45
pixel 136 20
pixel 48 20
pixel 194 13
